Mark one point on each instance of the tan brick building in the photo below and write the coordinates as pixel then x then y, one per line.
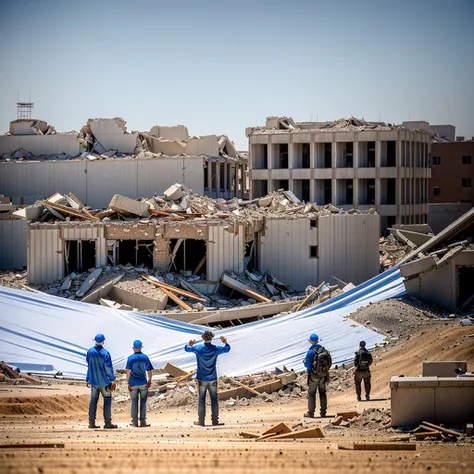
pixel 452 172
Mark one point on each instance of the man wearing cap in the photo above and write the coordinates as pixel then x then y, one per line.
pixel 362 362
pixel 317 362
pixel 206 355
pixel 100 378
pixel 138 367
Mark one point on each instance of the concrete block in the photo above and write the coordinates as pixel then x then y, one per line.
pixel 102 291
pixel 30 213
pixel 174 192
pixel 417 266
pixel 88 282
pixel 110 133
pixel 416 237
pixel 173 133
pixel 443 368
pixel 129 206
pixel 140 302
pixel 265 201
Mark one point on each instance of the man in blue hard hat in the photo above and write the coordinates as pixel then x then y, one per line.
pixel 317 362
pixel 138 367
pixel 100 378
pixel 206 355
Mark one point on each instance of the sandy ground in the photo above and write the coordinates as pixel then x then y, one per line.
pixel 57 413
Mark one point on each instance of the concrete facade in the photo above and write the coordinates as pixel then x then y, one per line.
pixel 309 251
pixel 351 164
pixel 440 215
pixel 55 144
pixel 446 132
pixel 452 172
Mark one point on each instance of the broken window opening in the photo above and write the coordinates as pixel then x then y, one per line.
pixel 313 251
pixel 213 176
pixel 305 190
pixel 466 159
pixel 281 184
pixel 251 254
pixel 436 191
pixel 348 155
pixel 206 177
pixel 313 223
pixel 283 156
pixel 327 191
pixel 222 179
pixel 79 255
pixel 370 154
pixel 188 255
pixel 465 287
pixel 328 155
pixel 305 155
pixel 392 153
pixel 135 252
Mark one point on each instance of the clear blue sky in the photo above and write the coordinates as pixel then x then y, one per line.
pixel 220 66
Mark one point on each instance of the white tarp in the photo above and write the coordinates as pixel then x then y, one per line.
pixel 41 332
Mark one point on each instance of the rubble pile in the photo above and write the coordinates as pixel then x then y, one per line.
pixel 391 252
pixel 178 203
pixel 373 419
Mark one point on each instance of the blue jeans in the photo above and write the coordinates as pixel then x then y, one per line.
pixel 142 392
pixel 95 392
pixel 212 388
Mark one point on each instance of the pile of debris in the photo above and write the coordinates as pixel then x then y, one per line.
pixel 283 431
pixel 178 203
pixel 391 252
pixel 9 375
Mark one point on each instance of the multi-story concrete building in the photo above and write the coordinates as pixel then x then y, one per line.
pixel 349 163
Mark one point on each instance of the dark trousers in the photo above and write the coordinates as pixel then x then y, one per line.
pixel 95 392
pixel 204 387
pixel 358 377
pixel 140 391
pixel 317 384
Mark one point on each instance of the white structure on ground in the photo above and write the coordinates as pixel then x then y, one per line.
pixel 349 163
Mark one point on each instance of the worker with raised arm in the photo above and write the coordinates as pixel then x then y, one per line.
pixel 362 362
pixel 100 378
pixel 138 368
pixel 206 356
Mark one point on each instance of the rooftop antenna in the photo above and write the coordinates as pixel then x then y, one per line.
pixel 24 109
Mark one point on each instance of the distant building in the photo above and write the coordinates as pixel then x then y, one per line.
pixel 349 163
pixel 445 132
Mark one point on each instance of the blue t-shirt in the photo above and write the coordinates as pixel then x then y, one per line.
pixel 138 364
pixel 206 356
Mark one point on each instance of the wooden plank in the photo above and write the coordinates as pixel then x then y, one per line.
pixel 179 291
pixel 199 265
pixel 11 373
pixel 427 434
pixel 249 389
pixel 31 445
pixel 190 287
pixel 69 211
pixel 278 429
pixel 384 446
pixel 308 298
pixel 440 428
pixel 31 379
pixel 314 432
pixel 347 415
pixel 266 436
pixel 337 421
pixel 174 371
pixel 179 302
pixel 247 435
pixel 258 296
pixel 186 376
pixel 236 285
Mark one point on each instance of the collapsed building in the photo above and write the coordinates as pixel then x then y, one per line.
pixel 279 243
pixel 350 163
pixel 104 159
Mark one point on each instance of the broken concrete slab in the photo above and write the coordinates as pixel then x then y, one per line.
pixel 102 291
pixel 66 285
pixel 126 205
pixel 114 305
pixel 416 237
pixel 30 213
pixel 227 280
pixel 89 281
pixel 135 300
pixel 175 192
pixel 57 198
pixel 415 267
pixel 420 228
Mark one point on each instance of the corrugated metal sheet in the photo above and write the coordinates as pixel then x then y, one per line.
pixel 13 243
pixel 45 256
pixel 349 247
pixel 225 251
pixel 285 252
pixel 89 233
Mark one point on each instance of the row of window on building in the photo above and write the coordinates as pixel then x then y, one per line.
pixel 466 160
pixel 465 183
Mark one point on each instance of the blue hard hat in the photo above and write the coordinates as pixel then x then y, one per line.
pixel 99 338
pixel 314 338
pixel 137 344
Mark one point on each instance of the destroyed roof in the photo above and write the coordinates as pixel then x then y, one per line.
pixel 180 204
pixel 351 124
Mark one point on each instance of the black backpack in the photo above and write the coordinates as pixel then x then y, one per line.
pixel 364 360
pixel 321 362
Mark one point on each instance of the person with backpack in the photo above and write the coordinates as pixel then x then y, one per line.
pixel 206 356
pixel 317 362
pixel 362 362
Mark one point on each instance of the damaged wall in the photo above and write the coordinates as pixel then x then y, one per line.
pixel 347 246
pixel 112 135
pixel 45 249
pixel 94 183
pixel 441 285
pixel 56 144
pixel 12 243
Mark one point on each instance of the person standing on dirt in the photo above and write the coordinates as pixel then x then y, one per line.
pixel 100 378
pixel 138 367
pixel 317 362
pixel 206 356
pixel 362 362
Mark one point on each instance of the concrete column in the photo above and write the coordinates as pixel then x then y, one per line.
pixel 312 155
pixel 334 192
pixel 355 181
pixel 243 181
pixel 312 190
pixel 270 153
pixel 355 191
pixel 378 193
pixel 218 180
pixel 291 156
pixel 226 171
pixel 209 178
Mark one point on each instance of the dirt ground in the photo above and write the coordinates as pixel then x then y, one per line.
pixel 57 413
